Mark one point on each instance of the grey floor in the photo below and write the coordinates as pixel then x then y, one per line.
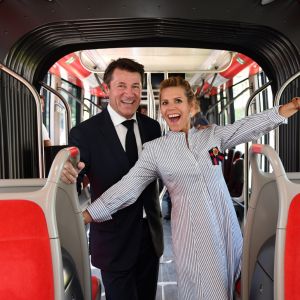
pixel 167 280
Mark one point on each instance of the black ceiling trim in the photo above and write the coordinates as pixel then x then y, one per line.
pixel 33 55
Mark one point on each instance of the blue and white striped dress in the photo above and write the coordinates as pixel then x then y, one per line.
pixel 206 236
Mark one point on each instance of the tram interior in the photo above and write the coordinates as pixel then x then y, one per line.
pixel 223 82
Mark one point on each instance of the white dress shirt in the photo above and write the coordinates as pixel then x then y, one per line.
pixel 117 120
pixel 121 130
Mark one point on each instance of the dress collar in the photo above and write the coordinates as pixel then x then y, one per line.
pixel 191 131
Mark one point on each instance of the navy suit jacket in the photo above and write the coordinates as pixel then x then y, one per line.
pixel 114 244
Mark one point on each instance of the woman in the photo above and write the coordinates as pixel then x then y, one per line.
pixel 207 240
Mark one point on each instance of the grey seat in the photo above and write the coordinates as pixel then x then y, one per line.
pixel 266 219
pixel 62 211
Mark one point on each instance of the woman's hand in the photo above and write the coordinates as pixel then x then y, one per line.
pixel 296 102
pixel 289 109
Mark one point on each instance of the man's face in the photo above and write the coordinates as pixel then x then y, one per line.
pixel 125 92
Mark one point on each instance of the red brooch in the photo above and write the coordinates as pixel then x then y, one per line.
pixel 216 156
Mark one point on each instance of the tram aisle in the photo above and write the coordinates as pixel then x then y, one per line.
pixel 167 279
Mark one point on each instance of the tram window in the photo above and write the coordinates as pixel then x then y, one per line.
pixel 241 92
pixel 74 105
pixel 226 116
pixel 182 75
pixel 222 113
pixel 47 96
pixel 62 124
pixel 86 110
pixel 223 101
pixel 145 82
pixel 87 107
pixel 230 103
pixel 97 101
pixel 265 102
pixel 156 79
pixel 220 106
pixel 267 94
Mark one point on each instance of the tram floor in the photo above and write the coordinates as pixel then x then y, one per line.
pixel 167 278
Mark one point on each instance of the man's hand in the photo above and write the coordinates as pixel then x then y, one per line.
pixel 69 173
pixel 86 217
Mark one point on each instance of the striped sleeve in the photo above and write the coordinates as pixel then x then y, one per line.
pixel 128 189
pixel 249 128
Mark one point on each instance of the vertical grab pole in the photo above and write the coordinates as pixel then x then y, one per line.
pixel 246 164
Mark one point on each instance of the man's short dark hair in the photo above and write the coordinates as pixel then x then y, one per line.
pixel 126 64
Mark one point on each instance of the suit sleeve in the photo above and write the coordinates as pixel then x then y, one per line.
pixel 249 128
pixel 128 189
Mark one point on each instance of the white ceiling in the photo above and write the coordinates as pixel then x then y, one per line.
pixel 158 59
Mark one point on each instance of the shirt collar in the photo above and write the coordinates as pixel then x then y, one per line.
pixel 116 118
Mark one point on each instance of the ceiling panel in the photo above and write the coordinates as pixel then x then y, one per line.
pixel 160 59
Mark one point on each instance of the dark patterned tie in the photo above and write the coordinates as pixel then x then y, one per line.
pixel 130 142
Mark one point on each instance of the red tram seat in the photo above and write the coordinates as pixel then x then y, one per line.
pixel 95 288
pixel 25 256
pixel 43 244
pixel 292 252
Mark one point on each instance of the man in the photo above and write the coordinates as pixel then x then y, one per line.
pixel 126 248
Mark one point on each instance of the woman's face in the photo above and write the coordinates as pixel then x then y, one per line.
pixel 175 108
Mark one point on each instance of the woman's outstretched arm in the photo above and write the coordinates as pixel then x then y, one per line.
pixel 126 191
pixel 254 126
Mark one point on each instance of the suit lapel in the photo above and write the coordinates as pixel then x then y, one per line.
pixel 142 129
pixel 107 129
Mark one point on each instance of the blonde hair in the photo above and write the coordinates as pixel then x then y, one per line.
pixel 178 82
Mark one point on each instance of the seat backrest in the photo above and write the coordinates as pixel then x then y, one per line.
pixel 267 215
pixel 25 253
pixel 21 185
pixel 261 221
pixel 292 252
pixel 58 203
